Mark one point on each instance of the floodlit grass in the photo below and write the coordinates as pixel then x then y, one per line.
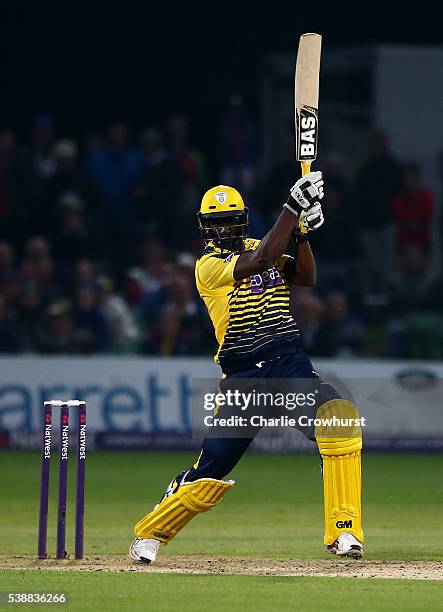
pixel 275 510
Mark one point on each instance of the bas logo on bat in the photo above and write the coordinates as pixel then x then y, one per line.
pixel 307 133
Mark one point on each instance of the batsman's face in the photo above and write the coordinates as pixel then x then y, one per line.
pixel 226 230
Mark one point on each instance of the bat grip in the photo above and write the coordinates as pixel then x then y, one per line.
pixel 305 168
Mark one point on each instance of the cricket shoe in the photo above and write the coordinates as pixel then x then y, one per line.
pixel 144 550
pixel 346 545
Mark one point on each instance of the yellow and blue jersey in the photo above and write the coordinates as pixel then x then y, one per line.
pixel 251 317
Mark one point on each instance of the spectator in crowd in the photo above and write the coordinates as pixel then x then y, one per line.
pixel 186 263
pixel 191 163
pixel 9 202
pixel 56 333
pixel 274 189
pixel 341 332
pixel 91 317
pixel 335 245
pixel 156 196
pixel 336 172
pixel 374 187
pixel 308 311
pixel 10 288
pixel 410 279
pixel 377 182
pixel 68 177
pixel 29 310
pixel 237 145
pixel 73 240
pixel 11 337
pixel 38 266
pixel 9 283
pixel 7 257
pixel 123 329
pixel 146 278
pixel 39 156
pixel 413 210
pixel 178 331
pixel 115 170
pixel 44 276
pixel 414 328
pixel 84 273
pixel 94 141
pixel 152 302
pixel 36 167
pixel 35 249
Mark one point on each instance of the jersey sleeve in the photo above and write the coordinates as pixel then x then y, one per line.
pixel 285 265
pixel 215 271
pixel 281 261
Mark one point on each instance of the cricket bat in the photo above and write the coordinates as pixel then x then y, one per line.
pixel 307 74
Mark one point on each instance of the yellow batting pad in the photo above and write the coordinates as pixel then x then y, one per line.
pixel 341 455
pixel 340 419
pixel 175 511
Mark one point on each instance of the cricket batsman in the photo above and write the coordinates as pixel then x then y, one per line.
pixel 246 285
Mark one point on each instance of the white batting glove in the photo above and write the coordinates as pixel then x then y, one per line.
pixel 306 193
pixel 312 218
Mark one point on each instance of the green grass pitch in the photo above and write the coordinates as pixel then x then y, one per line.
pixel 275 510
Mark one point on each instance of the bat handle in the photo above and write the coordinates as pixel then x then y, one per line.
pixel 305 168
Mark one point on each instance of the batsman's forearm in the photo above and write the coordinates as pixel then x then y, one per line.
pixel 270 248
pixel 276 240
pixel 305 268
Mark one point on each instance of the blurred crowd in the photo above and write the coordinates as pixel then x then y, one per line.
pixel 98 241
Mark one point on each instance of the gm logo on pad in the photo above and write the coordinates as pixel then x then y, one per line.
pixel 344 524
pixel 221 197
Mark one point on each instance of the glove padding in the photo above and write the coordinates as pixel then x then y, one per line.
pixel 310 220
pixel 306 192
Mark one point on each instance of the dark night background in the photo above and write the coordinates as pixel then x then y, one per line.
pixel 89 63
